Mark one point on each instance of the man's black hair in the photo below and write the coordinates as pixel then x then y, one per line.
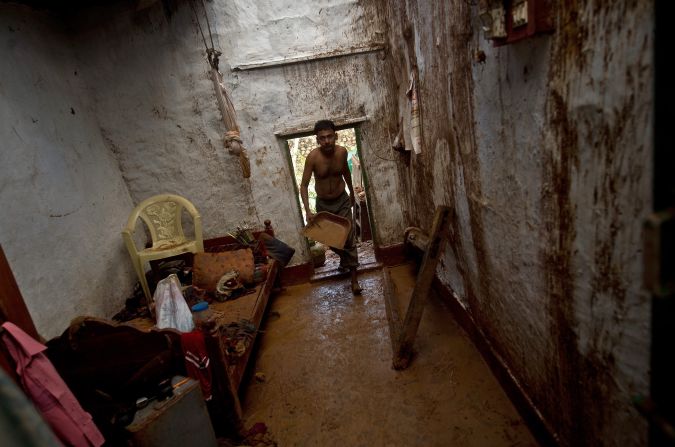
pixel 324 125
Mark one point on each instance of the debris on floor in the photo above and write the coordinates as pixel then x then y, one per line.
pixel 237 336
pixel 258 435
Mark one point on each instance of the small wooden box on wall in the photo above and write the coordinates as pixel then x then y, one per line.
pixel 509 21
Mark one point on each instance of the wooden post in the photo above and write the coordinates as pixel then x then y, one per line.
pixel 391 306
pixel 437 238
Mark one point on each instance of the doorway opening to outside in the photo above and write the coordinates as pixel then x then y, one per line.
pixel 298 149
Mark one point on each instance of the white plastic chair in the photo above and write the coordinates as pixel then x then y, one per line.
pixel 162 215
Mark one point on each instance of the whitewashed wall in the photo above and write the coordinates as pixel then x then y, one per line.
pixel 154 101
pixel 282 97
pixel 61 192
pixel 156 107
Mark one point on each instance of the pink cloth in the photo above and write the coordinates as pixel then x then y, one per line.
pixel 48 391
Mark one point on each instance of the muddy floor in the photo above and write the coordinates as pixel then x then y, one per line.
pixel 326 376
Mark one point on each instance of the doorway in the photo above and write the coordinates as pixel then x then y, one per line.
pixel 298 147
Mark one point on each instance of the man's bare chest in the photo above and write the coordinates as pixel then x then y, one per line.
pixel 324 168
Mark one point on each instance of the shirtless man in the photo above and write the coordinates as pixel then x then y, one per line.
pixel 328 164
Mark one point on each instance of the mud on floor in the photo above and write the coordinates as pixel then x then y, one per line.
pixel 326 362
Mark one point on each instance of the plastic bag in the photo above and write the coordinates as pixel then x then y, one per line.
pixel 171 309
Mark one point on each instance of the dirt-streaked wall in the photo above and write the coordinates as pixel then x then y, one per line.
pixel 544 151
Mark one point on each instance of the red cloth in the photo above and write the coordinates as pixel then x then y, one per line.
pixel 197 360
pixel 49 393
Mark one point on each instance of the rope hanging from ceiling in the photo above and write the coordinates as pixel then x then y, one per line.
pixel 232 138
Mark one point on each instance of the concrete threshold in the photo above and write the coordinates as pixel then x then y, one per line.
pixel 335 274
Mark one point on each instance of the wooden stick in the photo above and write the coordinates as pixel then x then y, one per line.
pixel 391 306
pixel 438 236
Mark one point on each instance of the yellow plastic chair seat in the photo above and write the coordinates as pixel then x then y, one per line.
pixel 162 214
pixel 179 246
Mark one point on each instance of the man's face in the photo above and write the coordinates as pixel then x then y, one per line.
pixel 326 140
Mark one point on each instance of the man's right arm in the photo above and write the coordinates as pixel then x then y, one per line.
pixel 306 176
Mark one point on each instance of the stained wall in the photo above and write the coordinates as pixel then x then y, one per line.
pixel 543 150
